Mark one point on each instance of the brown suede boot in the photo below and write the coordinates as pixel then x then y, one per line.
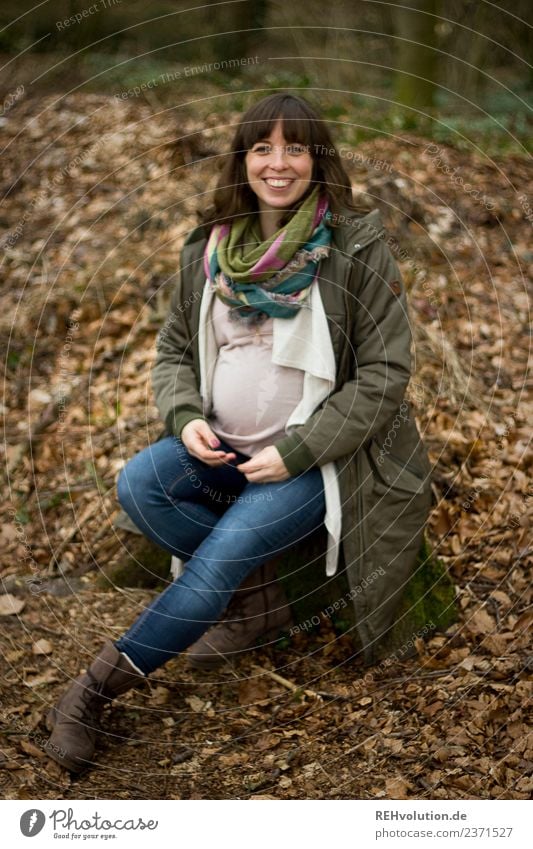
pixel 74 721
pixel 258 608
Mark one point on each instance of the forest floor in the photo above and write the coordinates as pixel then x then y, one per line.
pixel 99 194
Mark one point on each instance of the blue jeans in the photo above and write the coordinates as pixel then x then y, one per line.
pixel 223 527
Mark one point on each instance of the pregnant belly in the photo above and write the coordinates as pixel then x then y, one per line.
pixel 252 395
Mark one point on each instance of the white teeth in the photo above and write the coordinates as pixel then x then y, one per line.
pixel 278 183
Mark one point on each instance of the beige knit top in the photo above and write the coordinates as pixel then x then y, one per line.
pixel 252 396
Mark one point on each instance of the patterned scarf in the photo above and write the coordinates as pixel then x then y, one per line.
pixel 271 278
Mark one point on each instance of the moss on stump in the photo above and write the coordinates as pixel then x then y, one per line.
pixel 427 605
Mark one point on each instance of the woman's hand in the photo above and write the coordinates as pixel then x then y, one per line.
pixel 265 467
pixel 199 440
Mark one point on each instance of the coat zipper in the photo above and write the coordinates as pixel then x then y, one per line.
pixel 343 370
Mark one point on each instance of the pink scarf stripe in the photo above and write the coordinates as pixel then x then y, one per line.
pixel 321 209
pixel 270 258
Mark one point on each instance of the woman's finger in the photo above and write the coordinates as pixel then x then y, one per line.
pixel 213 458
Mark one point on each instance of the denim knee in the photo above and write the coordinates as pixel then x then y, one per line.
pixel 210 589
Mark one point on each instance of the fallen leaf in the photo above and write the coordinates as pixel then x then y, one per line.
pixel 393 745
pixel 8 533
pixel 196 704
pixel 32 750
pixel 47 677
pixel 267 741
pixel 234 759
pixel 252 690
pixel 159 696
pixel 481 622
pixel 39 396
pixel 42 647
pixel 14 656
pixel 397 788
pixel 10 605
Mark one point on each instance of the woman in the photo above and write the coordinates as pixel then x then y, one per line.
pixel 280 376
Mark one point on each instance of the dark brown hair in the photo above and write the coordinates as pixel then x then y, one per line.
pixel 301 125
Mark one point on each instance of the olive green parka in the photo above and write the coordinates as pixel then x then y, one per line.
pixel 365 425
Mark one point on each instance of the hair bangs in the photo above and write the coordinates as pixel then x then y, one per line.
pixel 298 125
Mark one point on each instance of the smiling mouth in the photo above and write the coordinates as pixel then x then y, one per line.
pixel 278 183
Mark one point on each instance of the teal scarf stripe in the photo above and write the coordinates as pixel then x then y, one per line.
pixel 260 303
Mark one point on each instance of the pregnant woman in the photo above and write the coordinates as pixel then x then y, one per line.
pixel 280 375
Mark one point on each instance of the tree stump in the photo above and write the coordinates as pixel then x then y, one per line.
pixel 139 563
pixel 427 605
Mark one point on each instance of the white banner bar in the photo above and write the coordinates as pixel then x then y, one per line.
pixel 205 824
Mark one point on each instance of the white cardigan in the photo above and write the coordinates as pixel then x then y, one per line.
pixel 302 342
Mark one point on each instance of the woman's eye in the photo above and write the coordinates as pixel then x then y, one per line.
pixel 296 149
pixel 261 148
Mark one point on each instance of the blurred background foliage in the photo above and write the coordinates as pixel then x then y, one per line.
pixel 457 71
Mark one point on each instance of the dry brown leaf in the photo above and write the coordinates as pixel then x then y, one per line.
pixel 253 690
pixel 397 788
pixel 8 533
pixel 433 708
pixel 32 750
pixel 443 521
pixel 14 656
pixel 47 677
pixel 197 705
pixel 10 605
pixel 481 622
pixel 393 744
pixel 234 759
pixel 267 741
pixel 42 647
pixel 159 695
pixel 524 622
pixel 496 644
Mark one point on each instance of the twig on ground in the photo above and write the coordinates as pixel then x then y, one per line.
pixel 312 694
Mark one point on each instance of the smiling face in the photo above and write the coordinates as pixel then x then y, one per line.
pixel 278 172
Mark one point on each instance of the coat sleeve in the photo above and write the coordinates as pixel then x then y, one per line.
pixel 174 382
pixel 381 354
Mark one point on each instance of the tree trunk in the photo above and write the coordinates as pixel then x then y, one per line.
pixel 416 61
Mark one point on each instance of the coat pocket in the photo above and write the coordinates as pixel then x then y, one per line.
pixel 393 472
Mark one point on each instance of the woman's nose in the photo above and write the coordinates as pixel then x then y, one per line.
pixel 278 157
